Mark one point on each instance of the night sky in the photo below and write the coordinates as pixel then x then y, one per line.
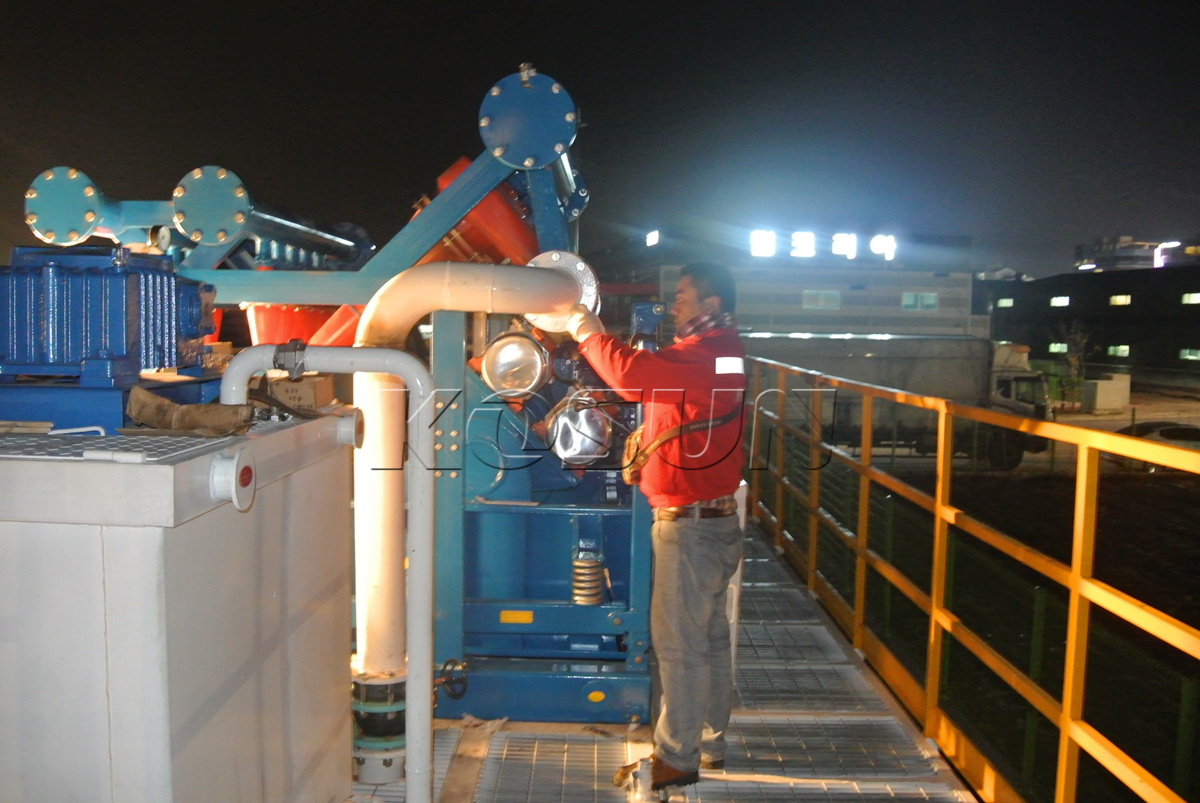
pixel 1029 127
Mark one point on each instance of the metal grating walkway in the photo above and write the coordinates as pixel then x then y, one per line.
pixel 810 723
pixel 568 768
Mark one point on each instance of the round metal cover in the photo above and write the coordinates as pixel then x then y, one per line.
pixel 63 207
pixel 515 365
pixel 210 205
pixel 581 272
pixel 527 120
pixel 579 434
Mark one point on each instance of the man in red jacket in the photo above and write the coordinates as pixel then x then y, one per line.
pixel 690 481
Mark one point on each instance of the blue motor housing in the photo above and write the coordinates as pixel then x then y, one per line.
pixel 100 315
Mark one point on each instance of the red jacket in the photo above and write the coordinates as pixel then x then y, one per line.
pixel 699 378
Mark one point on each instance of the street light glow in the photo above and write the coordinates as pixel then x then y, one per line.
pixel 1158 252
pixel 762 243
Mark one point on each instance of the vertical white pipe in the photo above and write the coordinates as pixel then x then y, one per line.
pixel 419 481
pixel 379 525
pixel 393 311
pixel 389 547
pixel 379 487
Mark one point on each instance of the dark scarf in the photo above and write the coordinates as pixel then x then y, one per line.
pixel 703 323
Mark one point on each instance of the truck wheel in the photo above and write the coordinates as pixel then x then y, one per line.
pixel 1005 448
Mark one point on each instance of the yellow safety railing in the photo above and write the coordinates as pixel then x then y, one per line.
pixel 788 417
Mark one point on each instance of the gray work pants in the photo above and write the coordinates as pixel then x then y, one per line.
pixel 693 562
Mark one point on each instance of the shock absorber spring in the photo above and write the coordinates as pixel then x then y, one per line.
pixel 587 581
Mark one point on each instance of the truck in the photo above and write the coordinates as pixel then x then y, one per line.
pixel 966 370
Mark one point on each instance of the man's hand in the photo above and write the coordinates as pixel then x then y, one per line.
pixel 582 323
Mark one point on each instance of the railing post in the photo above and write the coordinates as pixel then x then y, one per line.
pixel 937 590
pixel 895 434
pixel 781 457
pixel 1087 481
pixel 814 486
pixel 861 543
pixel 1037 646
pixel 756 372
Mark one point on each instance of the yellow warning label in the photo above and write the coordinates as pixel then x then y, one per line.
pixel 516 617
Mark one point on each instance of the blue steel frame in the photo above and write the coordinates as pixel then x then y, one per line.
pixel 490 552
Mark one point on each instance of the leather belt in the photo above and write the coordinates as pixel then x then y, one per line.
pixel 690 512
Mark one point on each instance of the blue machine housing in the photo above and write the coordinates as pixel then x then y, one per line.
pixel 512 522
pixel 80 324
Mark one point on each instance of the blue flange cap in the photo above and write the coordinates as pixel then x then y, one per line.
pixel 527 120
pixel 210 205
pixel 63 206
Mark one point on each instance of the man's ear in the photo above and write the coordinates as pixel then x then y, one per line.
pixel 711 305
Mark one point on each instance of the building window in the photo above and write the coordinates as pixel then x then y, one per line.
pixel 1004 302
pixel 822 299
pixel 1191 298
pixel 1118 351
pixel 1189 354
pixel 919 302
pixel 1057 348
pixel 1120 301
pixel 1060 301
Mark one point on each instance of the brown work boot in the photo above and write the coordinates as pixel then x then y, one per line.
pixel 712 763
pixel 663 775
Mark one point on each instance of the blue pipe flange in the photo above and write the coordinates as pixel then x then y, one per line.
pixel 527 120
pixel 63 206
pixel 210 206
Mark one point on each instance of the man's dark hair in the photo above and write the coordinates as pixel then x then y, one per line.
pixel 712 279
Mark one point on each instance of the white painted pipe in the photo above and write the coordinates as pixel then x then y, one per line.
pixel 465 286
pixel 235 382
pixel 380 494
pixel 379 523
pixel 386 322
pixel 387 551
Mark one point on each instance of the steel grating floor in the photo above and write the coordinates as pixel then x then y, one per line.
pixel 766 571
pixel 761 604
pixel 756 549
pixel 824 746
pixel 839 689
pixel 833 791
pixel 788 644
pixel 809 724
pixel 554 768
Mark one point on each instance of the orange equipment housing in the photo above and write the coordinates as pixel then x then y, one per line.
pixel 496 230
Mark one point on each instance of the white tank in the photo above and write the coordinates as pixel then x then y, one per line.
pixel 157 643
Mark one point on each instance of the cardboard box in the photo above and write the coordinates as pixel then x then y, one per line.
pixel 309 392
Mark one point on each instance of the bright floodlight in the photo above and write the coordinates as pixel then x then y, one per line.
pixel 846 245
pixel 652 238
pixel 1158 252
pixel 804 244
pixel 884 244
pixel 762 243
pixel 1088 266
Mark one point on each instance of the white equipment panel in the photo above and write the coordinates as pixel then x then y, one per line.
pixel 175 617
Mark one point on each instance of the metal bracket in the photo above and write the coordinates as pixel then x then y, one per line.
pixel 290 357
